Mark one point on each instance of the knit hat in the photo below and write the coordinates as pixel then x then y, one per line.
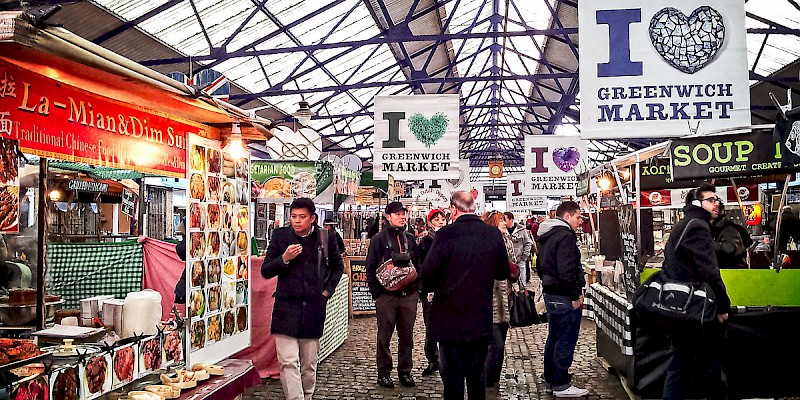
pixel 433 213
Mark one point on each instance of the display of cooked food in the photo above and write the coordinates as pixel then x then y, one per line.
pixel 197 187
pixel 9 163
pixel 17 349
pixel 96 374
pixel 228 192
pixel 198 339
pixel 242 193
pixel 228 295
pixel 213 216
pixel 227 217
pixel 228 165
pixel 214 271
pixel 213 161
pixel 9 208
pixel 215 328
pixel 241 292
pixel 214 298
pixel 242 166
pixel 144 395
pixel 241 269
pixel 198 241
pixel 212 244
pixel 34 389
pixel 229 323
pixel 230 267
pixel 166 391
pixel 277 188
pixel 197 216
pixel 304 185
pixel 197 304
pixel 228 244
pixel 213 185
pixel 243 218
pixel 241 242
pixel 241 319
pixel 197 158
pixel 198 273
pixel 215 370
pixel 172 346
pixel 151 354
pixel 66 384
pixel 123 364
pixel 255 189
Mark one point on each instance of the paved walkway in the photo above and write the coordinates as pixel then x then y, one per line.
pixel 350 372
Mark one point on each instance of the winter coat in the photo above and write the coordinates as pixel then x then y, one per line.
pixel 500 306
pixel 523 244
pixel 731 241
pixel 380 250
pixel 466 258
pixel 559 260
pixel 694 259
pixel 425 244
pixel 790 228
pixel 299 310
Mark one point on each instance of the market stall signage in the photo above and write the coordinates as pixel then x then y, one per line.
pixel 654 69
pixel 9 186
pixel 288 179
pixel 361 301
pixel 630 253
pixel 495 169
pixel 56 120
pixel 80 185
pixel 655 198
pixel 582 188
pixel 733 155
pixel 416 136
pixel 550 163
pixel 129 201
pixel 519 203
pixel 438 192
pixel 346 181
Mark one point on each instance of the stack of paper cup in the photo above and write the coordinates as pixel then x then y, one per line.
pixel 112 314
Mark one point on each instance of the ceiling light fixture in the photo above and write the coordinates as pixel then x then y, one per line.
pixel 303 113
pixel 235 145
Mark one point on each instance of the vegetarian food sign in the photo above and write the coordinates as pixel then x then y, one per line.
pixel 56 120
pixel 290 179
pixel 218 252
pixel 653 68
pixel 730 155
pixel 550 162
pixel 9 186
pixel 416 136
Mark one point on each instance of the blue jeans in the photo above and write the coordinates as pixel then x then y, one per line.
pixel 494 359
pixel 564 323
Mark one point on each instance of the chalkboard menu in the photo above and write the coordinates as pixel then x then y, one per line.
pixel 360 298
pixel 129 200
pixel 630 254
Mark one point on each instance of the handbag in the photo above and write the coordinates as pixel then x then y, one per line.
pixel 398 272
pixel 523 310
pixel 665 301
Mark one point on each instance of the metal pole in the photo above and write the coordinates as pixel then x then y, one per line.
pixel 42 243
pixel 778 264
pixel 142 203
pixel 638 211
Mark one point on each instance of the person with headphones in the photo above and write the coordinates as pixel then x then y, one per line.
pixel 689 257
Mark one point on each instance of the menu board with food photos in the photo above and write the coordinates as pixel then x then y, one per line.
pixel 9 186
pixel 218 252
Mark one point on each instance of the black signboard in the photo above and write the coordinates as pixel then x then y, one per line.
pixel 360 298
pixel 129 200
pixel 657 175
pixel 735 155
pixel 630 253
pixel 582 188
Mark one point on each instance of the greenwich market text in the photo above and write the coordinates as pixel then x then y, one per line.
pixel 416 162
pixel 695 108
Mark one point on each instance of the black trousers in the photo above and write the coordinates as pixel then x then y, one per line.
pixel 459 361
pixel 431 347
pixel 396 312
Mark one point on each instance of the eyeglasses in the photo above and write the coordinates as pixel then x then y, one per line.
pixel 712 199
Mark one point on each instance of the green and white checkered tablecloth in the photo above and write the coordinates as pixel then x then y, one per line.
pixel 79 270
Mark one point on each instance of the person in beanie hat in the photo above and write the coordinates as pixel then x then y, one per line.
pixel 394 309
pixel 436 220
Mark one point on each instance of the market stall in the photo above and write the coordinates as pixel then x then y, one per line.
pixel 635 218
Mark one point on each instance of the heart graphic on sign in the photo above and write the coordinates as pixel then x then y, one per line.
pixel 687 43
pixel 566 158
pixel 428 131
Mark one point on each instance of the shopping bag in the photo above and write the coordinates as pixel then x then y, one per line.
pixel 669 302
pixel 522 309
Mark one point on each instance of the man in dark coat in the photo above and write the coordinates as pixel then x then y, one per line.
pixel 306 280
pixel 395 309
pixel 790 228
pixel 462 265
pixel 559 267
pixel 689 257
pixel 731 241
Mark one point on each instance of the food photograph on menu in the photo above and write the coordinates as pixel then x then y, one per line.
pixel 31 389
pixel 197 216
pixel 198 334
pixel 97 375
pixel 65 384
pixel 214 270
pixel 9 186
pixel 173 348
pixel 229 323
pixel 150 357
pixel 198 273
pixel 124 365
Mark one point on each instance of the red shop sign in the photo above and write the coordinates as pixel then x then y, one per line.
pixel 651 198
pixel 55 120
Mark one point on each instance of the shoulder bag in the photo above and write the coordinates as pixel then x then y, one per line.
pixel 524 310
pixel 398 272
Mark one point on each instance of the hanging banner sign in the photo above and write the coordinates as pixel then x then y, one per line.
pixel 517 202
pixel 550 162
pixel 129 202
pixel 582 189
pixel 55 120
pixel 653 69
pixel 733 155
pixel 290 179
pixel 346 181
pixel 80 185
pixel 416 136
pixel 9 186
pixel 438 192
pixel 745 193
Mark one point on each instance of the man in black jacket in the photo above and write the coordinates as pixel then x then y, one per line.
pixel 308 270
pixel 398 308
pixel 559 267
pixel 731 241
pixel 689 257
pixel 460 269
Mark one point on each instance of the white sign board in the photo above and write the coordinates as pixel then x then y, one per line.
pixel 655 68
pixel 519 203
pixel 438 192
pixel 416 137
pixel 550 162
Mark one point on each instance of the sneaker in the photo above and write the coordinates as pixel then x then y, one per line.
pixel 571 391
pixel 386 382
pixel 407 380
pixel 430 369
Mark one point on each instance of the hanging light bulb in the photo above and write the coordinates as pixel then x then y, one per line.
pixel 604 183
pixel 235 145
pixel 54 195
pixel 303 113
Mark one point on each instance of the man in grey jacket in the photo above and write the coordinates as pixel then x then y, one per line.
pixel 523 247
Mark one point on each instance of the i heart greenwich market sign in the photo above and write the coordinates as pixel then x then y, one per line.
pixel 655 68
pixel 416 137
pixel 550 163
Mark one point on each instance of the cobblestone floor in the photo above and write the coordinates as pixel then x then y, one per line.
pixel 349 373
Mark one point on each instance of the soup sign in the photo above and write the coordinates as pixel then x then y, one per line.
pixel 708 157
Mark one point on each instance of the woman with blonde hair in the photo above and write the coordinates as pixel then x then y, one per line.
pixel 500 308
